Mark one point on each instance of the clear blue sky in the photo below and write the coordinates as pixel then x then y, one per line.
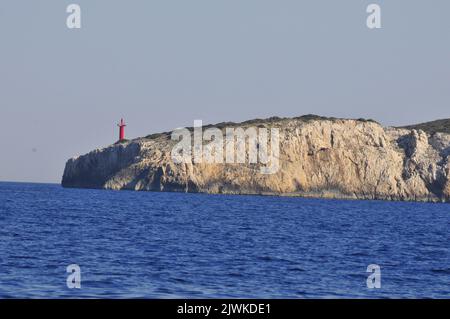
pixel 162 64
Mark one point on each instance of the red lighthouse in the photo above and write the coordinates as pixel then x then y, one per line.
pixel 121 126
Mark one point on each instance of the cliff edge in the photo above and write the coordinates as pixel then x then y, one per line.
pixel 318 157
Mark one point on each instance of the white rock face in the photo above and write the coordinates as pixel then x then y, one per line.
pixel 318 158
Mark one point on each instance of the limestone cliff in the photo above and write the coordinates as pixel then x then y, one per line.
pixel 319 157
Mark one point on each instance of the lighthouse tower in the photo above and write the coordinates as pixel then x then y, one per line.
pixel 121 126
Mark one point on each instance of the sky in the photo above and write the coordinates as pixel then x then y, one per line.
pixel 163 64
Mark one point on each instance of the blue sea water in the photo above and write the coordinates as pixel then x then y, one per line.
pixel 174 245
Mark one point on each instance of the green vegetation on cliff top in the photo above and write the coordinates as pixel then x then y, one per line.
pixel 441 126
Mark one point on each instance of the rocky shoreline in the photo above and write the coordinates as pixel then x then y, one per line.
pixel 319 157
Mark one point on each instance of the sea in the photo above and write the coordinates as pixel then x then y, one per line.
pixel 128 244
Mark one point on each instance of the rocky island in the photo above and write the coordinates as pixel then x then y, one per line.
pixel 318 157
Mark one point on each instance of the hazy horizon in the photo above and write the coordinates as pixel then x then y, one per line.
pixel 162 65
